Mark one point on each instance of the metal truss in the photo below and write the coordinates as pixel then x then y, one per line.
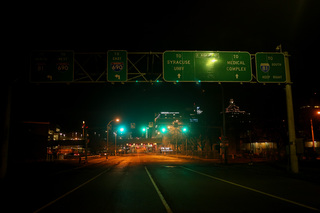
pixel 91 67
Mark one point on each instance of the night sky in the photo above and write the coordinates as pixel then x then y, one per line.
pixel 253 26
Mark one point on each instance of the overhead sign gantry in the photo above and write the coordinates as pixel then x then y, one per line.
pixel 171 66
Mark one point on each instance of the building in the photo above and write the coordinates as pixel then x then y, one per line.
pixel 261 148
pixel 238 124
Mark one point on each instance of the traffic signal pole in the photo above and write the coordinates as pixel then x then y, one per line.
pixel 291 126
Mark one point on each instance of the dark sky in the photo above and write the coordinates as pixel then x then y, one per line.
pixel 228 25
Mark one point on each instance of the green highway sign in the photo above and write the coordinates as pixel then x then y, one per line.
pixel 270 68
pixel 117 68
pixel 206 66
pixel 51 66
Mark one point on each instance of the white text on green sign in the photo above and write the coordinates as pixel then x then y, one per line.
pixel 270 68
pixel 117 65
pixel 191 66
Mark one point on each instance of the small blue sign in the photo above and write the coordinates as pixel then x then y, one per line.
pixel 265 67
pixel 117 66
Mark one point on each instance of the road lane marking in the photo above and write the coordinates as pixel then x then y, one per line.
pixel 69 192
pixel 252 189
pixel 164 202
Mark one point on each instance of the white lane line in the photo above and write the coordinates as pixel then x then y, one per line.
pixel 69 192
pixel 164 202
pixel 254 190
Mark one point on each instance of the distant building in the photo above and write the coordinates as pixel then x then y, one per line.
pixel 177 118
pixel 195 114
pixel 234 111
pixel 167 118
pixel 172 126
pixel 238 123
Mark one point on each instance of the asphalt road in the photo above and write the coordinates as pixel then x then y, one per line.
pixel 157 183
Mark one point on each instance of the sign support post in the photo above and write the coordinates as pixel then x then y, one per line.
pixel 291 127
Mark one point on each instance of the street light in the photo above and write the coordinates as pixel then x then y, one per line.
pixel 108 129
pixel 312 133
pixel 84 127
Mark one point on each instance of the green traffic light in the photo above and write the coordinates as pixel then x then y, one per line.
pixel 184 129
pixel 163 129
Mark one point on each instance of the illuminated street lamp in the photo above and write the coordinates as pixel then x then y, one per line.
pixel 108 129
pixel 312 133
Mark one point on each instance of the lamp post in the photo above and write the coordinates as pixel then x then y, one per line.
pixel 115 140
pixel 84 127
pixel 312 133
pixel 108 129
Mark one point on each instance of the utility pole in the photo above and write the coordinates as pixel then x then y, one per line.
pixel 223 136
pixel 291 126
pixel 312 135
pixel 115 143
pixel 84 132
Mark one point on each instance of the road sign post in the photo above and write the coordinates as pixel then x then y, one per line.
pixel 291 126
pixel 206 66
pixel 117 68
pixel 270 68
pixel 51 66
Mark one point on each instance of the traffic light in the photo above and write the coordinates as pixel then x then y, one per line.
pixel 121 129
pixel 163 129
pixel 143 129
pixel 184 129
